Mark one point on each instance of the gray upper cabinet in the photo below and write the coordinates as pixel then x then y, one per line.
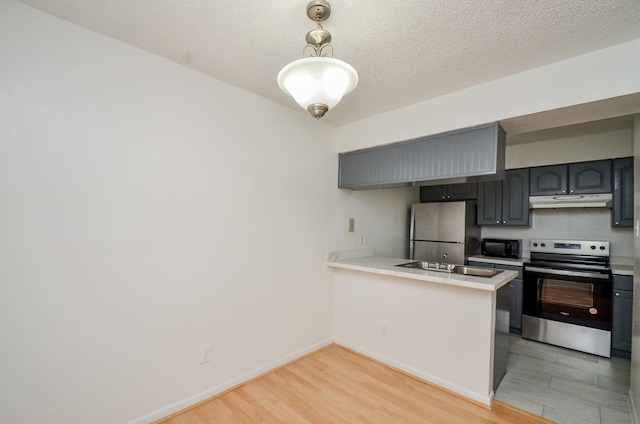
pixel 470 153
pixel 573 178
pixel 622 212
pixel 489 203
pixel 549 180
pixel 449 192
pixel 590 177
pixel 515 198
pixel 436 193
pixel 505 202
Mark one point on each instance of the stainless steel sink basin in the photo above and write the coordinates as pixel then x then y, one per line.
pixel 476 272
pixel 424 265
pixel 451 268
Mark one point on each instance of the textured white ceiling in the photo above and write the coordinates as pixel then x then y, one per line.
pixel 404 51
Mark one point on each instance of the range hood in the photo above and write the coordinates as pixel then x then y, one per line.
pixel 602 200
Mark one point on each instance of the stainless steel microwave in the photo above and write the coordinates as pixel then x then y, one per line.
pixel 501 248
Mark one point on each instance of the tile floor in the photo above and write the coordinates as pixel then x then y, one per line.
pixel 565 386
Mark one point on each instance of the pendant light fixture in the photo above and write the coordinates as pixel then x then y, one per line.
pixel 317 82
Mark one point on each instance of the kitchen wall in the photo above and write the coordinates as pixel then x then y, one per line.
pixel 574 81
pixel 605 139
pixel 594 76
pixel 381 219
pixel 589 141
pixel 572 224
pixel 148 210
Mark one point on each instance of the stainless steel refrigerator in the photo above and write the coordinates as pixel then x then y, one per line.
pixel 443 228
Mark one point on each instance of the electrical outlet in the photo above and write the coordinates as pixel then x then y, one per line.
pixel 383 328
pixel 351 226
pixel 205 353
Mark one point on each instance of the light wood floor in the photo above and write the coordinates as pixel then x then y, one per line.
pixel 335 385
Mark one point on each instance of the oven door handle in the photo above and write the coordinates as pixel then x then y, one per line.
pixel 567 273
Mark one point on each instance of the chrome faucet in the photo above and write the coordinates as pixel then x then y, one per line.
pixel 439 265
pixel 450 267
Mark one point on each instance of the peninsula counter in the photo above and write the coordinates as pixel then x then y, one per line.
pixel 448 329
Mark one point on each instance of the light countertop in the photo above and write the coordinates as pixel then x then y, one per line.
pixel 622 269
pixel 619 265
pixel 501 261
pixel 622 265
pixel 387 266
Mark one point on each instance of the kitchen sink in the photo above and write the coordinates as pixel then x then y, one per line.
pixel 451 268
pixel 434 266
pixel 476 272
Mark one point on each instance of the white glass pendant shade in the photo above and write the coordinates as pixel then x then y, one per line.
pixel 318 80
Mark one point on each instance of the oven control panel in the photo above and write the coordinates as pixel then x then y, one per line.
pixel 570 247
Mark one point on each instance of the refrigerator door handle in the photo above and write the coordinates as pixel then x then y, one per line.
pixel 412 224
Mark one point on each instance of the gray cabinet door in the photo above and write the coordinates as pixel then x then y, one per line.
pixel 464 191
pixel 590 177
pixel 489 203
pixel 449 192
pixel 437 193
pixel 515 294
pixel 574 178
pixel 622 212
pixel 505 202
pixel 622 320
pixel 515 291
pixel 549 180
pixel 515 198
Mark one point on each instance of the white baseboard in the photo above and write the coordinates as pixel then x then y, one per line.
pixel 185 403
pixel 483 399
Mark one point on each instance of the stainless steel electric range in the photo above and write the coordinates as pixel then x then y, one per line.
pixel 567 295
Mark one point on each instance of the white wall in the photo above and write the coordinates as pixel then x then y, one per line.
pixel 381 220
pixel 147 210
pixel 591 77
pixel 634 391
pixel 552 147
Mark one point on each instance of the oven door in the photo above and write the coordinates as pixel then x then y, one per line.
pixel 574 297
